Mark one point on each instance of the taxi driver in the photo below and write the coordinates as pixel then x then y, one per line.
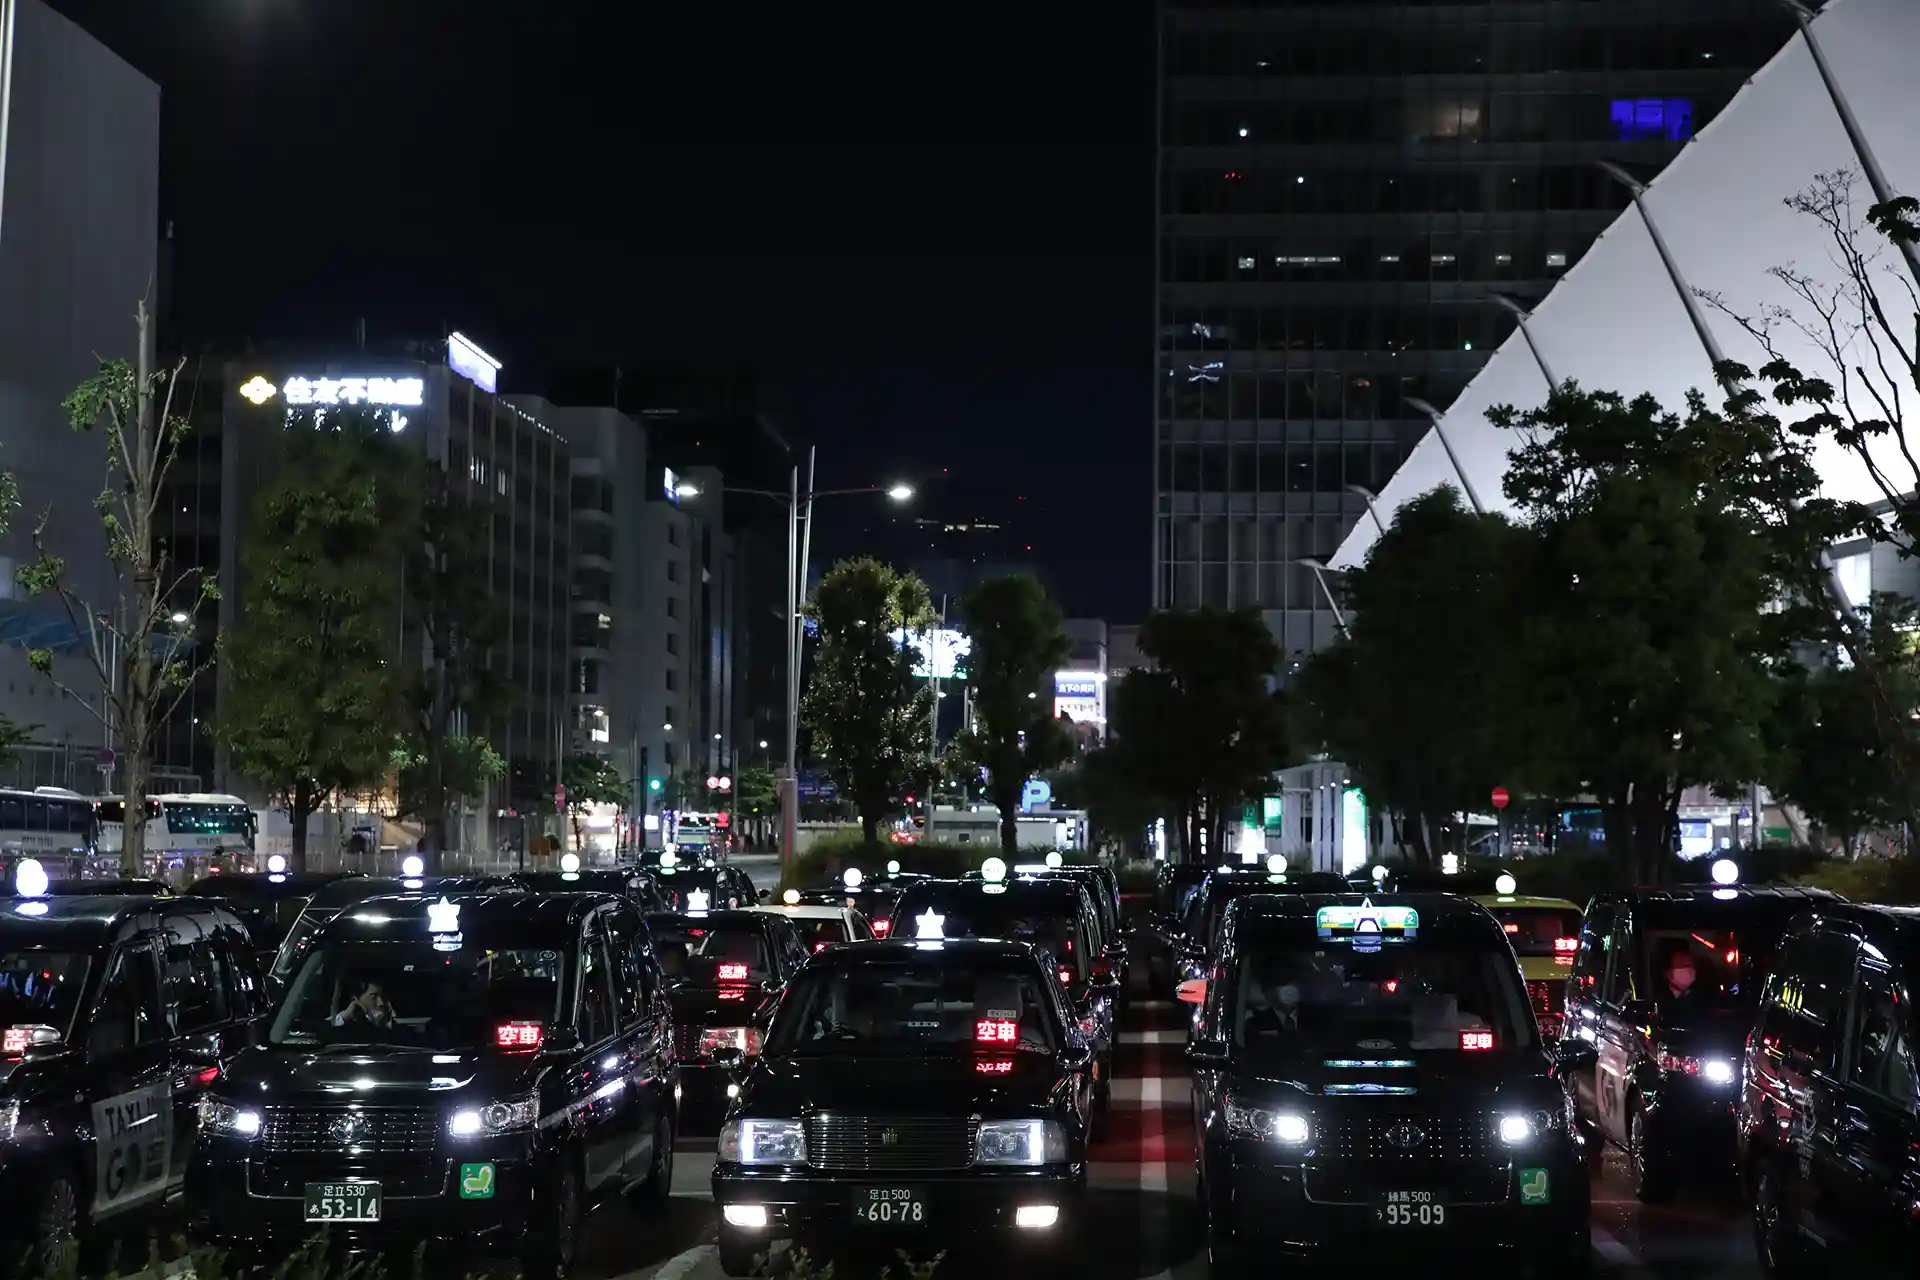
pixel 369 1008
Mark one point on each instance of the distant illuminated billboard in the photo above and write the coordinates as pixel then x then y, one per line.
pixel 1080 696
pixel 466 359
pixel 942 651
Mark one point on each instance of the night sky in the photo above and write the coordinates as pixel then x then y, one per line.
pixel 926 229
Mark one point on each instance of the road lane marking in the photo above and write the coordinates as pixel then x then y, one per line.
pixel 1175 1091
pixel 1153 1135
pixel 1153 1037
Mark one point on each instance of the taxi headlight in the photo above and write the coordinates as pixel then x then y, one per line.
pixel 496 1117
pixel 1717 1071
pixel 219 1117
pixel 1286 1127
pixel 1515 1130
pixel 763 1142
pixel 1025 1142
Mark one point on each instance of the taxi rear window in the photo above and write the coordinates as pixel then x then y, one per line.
pixel 913 1004
pixel 1541 931
pixel 820 934
pixel 700 954
pixel 1060 935
pixel 413 993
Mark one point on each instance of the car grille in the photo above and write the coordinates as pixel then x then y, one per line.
pixel 902 1144
pixel 1383 1141
pixel 388 1132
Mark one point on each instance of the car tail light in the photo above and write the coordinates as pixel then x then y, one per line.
pixel 517 1035
pixel 996 1031
pixel 1510 927
pixel 745 1039
pixel 881 928
pixel 733 973
pixel 1476 1040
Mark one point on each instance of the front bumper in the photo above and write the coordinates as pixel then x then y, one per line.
pixel 1307 1211
pixel 808 1204
pixel 236 1196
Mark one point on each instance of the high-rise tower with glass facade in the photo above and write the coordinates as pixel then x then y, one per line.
pixel 1356 200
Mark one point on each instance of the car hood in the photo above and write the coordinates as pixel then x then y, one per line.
pixel 896 1084
pixel 1450 1079
pixel 374 1076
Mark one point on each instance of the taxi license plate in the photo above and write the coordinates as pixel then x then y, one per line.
pixel 1409 1209
pixel 890 1207
pixel 343 1202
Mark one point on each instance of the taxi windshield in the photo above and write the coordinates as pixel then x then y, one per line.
pixel 1541 931
pixel 41 988
pixel 706 953
pixel 414 994
pixel 915 1004
pixel 1328 997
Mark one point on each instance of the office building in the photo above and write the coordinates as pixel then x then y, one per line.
pixel 1355 202
pixel 79 223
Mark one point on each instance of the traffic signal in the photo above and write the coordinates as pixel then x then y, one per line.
pixel 653 784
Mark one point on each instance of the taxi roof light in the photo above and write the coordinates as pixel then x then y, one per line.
pixel 1506 884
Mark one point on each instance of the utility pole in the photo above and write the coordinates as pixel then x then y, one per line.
pixel 933 780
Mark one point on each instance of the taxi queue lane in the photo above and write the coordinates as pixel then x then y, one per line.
pixel 1143 1223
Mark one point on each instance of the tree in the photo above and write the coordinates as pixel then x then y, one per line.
pixel 756 796
pixel 458 693
pixel 1204 728
pixel 1660 603
pixel 870 716
pixel 1412 700
pixel 591 780
pixel 142 645
pixel 314 696
pixel 1018 642
pixel 1832 759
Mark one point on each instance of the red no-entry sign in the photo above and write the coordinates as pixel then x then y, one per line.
pixel 1500 797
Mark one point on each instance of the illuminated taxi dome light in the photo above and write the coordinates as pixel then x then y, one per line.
pixel 893 867
pixel 993 871
pixel 412 865
pixel 569 862
pixel 699 900
pixel 1506 884
pixel 29 878
pixel 1277 865
pixel 35 908
pixel 669 858
pixel 791 897
pixel 1379 875
pixel 443 916
pixel 852 878
pixel 1726 871
pixel 1055 860
pixel 931 925
pixel 276 864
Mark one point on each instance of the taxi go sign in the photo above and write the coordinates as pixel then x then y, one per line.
pixel 321 392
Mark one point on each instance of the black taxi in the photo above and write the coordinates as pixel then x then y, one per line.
pixel 1198 931
pixel 1054 916
pixel 116 1014
pixel 1829 1116
pixel 330 899
pixel 641 889
pixel 1664 986
pixel 723 971
pixel 472 1071
pixel 1110 956
pixel 1368 1074
pixel 267 903
pixel 910 1095
pixel 711 887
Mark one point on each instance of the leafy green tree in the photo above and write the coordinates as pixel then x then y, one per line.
pixel 1203 728
pixel 1412 700
pixel 591 780
pixel 314 701
pixel 1019 641
pixel 1118 811
pixel 1652 621
pixel 458 692
pixel 870 716
pixel 142 661
pixel 1832 758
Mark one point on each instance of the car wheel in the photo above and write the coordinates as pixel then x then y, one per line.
pixel 552 1248
pixel 1647 1168
pixel 56 1230
pixel 738 1251
pixel 1774 1240
pixel 653 1194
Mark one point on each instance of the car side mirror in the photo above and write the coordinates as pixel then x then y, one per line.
pixel 1192 991
pixel 1575 1055
pixel 729 1059
pixel 560 1040
pixel 1210 1054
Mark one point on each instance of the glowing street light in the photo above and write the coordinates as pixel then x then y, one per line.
pixel 900 492
pixel 686 490
pixel 179 619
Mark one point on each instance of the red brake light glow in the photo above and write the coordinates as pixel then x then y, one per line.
pixel 819 946
pixel 1066 976
pixel 996 1031
pixel 1473 1040
pixel 998 1067
pixel 517 1035
pixel 1392 985
pixel 733 973
pixel 13 1040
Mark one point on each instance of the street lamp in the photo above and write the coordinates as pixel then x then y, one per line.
pixel 901 492
pixel 1372 510
pixel 1320 575
pixel 686 489
pixel 179 619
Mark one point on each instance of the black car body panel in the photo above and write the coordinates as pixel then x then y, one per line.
pixel 268 904
pixel 704 999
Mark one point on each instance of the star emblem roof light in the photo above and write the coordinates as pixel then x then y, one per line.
pixel 443 916
pixel 699 900
pixel 931 925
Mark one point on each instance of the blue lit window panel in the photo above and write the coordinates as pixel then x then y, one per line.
pixel 1652 119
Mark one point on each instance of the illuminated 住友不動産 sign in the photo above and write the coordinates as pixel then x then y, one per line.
pixel 322 392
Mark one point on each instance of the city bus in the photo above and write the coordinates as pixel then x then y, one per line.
pixel 52 826
pixel 186 827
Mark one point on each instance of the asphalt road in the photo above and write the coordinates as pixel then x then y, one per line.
pixel 1142 1223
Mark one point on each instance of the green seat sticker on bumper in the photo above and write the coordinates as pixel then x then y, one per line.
pixel 1534 1188
pixel 476 1182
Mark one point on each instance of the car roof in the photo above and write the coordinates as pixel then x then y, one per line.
pixel 1065 892
pixel 1497 901
pixel 344 893
pixel 709 919
pixel 557 912
pixel 95 919
pixel 1302 906
pixel 881 952
pixel 800 911
pixel 1717 900
pixel 250 884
